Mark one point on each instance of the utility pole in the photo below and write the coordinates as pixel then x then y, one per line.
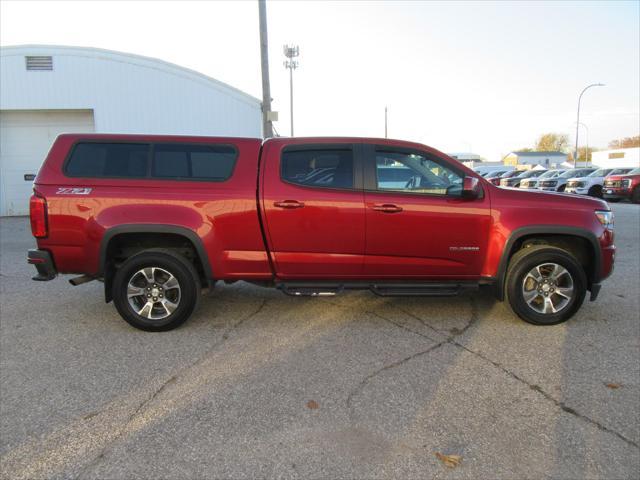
pixel 267 127
pixel 291 52
pixel 575 156
pixel 385 122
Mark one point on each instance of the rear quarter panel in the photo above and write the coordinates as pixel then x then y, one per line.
pixel 222 214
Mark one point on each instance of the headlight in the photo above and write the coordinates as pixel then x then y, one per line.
pixel 606 218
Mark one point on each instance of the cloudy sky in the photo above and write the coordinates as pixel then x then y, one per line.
pixel 481 77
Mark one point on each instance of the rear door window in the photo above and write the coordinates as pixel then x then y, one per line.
pixel 121 160
pixel 328 168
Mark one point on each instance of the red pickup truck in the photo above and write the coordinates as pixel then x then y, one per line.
pixel 160 219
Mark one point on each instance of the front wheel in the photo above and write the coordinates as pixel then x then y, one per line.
pixel 635 195
pixel 156 290
pixel 595 191
pixel 545 285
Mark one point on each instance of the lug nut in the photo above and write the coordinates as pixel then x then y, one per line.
pixel 148 295
pixel 160 295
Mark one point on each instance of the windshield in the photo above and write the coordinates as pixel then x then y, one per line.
pixel 532 173
pixel 620 171
pixel 550 174
pixel 603 172
pixel 508 174
pixel 635 171
pixel 576 173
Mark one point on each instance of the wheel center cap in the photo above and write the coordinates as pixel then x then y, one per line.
pixel 546 287
pixel 155 292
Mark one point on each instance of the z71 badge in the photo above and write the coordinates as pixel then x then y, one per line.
pixel 73 191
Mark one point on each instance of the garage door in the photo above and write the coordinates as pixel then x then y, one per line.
pixel 25 139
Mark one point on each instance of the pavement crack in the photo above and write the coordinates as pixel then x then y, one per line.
pixel 363 383
pixel 156 392
pixel 403 327
pixel 560 404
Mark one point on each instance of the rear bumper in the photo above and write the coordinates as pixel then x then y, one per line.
pixel 43 262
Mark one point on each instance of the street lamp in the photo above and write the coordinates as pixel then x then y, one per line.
pixel 291 52
pixel 586 156
pixel 575 156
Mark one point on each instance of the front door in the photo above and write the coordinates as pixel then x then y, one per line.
pixel 313 207
pixel 418 223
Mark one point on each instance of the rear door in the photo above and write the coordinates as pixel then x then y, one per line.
pixel 417 223
pixel 313 207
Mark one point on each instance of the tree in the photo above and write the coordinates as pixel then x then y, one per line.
pixel 552 142
pixel 584 154
pixel 526 149
pixel 627 142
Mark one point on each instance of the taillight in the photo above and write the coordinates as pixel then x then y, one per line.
pixel 38 215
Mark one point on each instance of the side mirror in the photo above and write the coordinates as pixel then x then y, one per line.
pixel 471 188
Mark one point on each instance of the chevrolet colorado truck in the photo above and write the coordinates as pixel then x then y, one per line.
pixel 621 187
pixel 161 219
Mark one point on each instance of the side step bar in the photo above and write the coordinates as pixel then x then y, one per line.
pixel 311 289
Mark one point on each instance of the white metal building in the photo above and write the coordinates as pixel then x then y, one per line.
pixel 48 90
pixel 617 158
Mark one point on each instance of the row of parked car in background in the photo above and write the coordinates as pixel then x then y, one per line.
pixel 612 184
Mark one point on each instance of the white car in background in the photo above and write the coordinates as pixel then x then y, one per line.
pixel 532 183
pixel 592 184
pixel 559 183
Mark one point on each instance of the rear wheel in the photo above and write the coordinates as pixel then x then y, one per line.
pixel 635 195
pixel 562 187
pixel 156 290
pixel 545 285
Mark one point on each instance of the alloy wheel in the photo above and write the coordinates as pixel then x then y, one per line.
pixel 548 288
pixel 153 293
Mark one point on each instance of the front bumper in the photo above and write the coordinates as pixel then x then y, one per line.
pixel 616 193
pixel 579 191
pixel 43 262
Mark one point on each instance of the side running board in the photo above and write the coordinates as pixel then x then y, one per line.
pixel 310 289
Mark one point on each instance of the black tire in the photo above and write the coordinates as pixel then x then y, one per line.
pixel 562 187
pixel 595 191
pixel 525 261
pixel 612 200
pixel 186 294
pixel 635 195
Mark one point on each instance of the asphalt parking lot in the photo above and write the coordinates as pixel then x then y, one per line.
pixel 258 384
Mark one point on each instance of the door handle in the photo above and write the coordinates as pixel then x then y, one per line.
pixel 387 208
pixel 288 204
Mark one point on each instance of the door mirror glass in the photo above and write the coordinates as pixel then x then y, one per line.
pixel 471 188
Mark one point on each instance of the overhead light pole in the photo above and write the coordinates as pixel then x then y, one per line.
pixel 291 52
pixel 267 115
pixel 575 155
pixel 385 122
pixel 586 156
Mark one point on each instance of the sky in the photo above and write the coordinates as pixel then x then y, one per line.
pixel 482 77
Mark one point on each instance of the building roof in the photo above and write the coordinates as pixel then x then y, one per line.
pixel 537 154
pixel 139 60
